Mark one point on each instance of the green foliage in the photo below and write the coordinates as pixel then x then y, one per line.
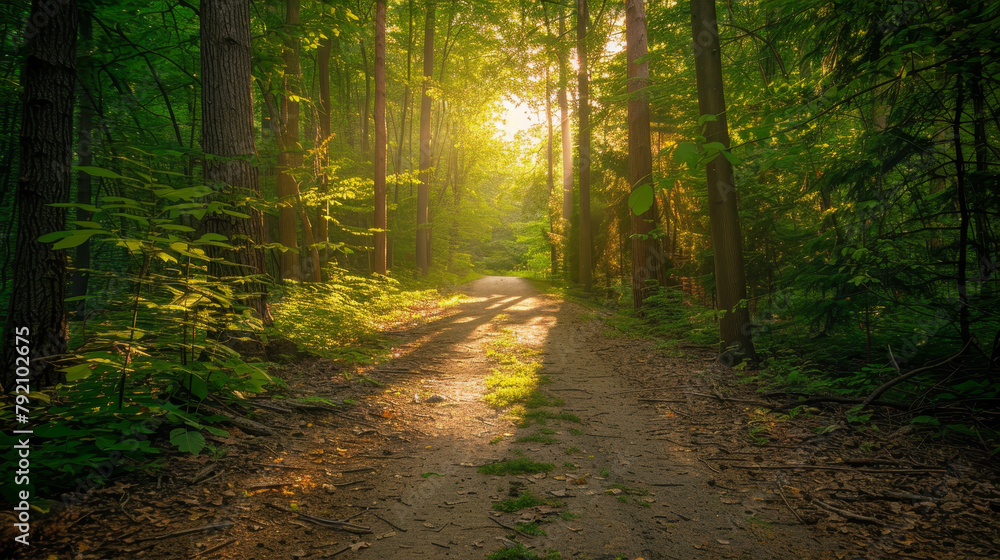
pixel 343 317
pixel 521 465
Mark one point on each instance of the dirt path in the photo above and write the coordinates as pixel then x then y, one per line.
pixel 667 507
pixel 629 479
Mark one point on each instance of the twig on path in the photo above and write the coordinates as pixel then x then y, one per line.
pixel 342 484
pixel 279 466
pixel 831 468
pixel 214 548
pixel 709 465
pixel 439 544
pixel 675 401
pixel 270 486
pixel 849 515
pixel 605 435
pixel 643 390
pixel 733 399
pixel 331 523
pixel 225 525
pixel 787 505
pixel 508 527
pixel 387 522
pixel 359 470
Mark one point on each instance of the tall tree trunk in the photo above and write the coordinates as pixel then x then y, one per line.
pixel 423 190
pixel 567 157
pixel 228 134
pixel 646 258
pixel 37 310
pixel 583 83
pixel 963 209
pixel 406 101
pixel 550 177
pixel 365 146
pixel 325 111
pixel 289 157
pixel 380 139
pixel 727 240
pixel 85 153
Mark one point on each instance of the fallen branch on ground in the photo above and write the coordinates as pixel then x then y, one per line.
pixel 849 515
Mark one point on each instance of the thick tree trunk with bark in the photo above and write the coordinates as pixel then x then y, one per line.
pixel 228 135
pixel 727 240
pixel 550 178
pixel 583 112
pixel 423 190
pixel 288 156
pixel 379 264
pixel 37 310
pixel 646 258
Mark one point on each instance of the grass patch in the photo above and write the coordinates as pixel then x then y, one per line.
pixel 572 450
pixel 521 465
pixel 514 379
pixel 519 552
pixel 541 416
pixel 523 501
pixel 531 529
pixel 537 438
pixel 567 515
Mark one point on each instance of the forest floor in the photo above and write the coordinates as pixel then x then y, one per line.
pixel 670 459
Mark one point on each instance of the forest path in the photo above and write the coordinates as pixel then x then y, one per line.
pixel 667 507
pixel 636 476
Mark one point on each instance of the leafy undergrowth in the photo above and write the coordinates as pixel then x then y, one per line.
pixel 343 318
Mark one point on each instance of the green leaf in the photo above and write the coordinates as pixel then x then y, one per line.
pixel 428 474
pixel 641 199
pixel 100 172
pixel 733 160
pixel 686 153
pixel 187 440
pixel 77 238
pixel 715 146
pixel 175 227
pixel 707 118
pixel 212 237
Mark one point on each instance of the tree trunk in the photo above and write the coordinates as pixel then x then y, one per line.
pixel 423 190
pixel 567 159
pixel 325 111
pixel 37 311
pixel 583 83
pixel 289 157
pixel 646 258
pixel 85 153
pixel 228 134
pixel 550 177
pixel 406 102
pixel 368 101
pixel 380 139
pixel 963 209
pixel 727 240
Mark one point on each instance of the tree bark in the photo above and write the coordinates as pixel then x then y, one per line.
pixel 289 157
pixel 325 112
pixel 583 83
pixel 727 240
pixel 567 158
pixel 228 136
pixel 380 139
pixel 646 258
pixel 550 177
pixel 37 309
pixel 423 190
pixel 85 153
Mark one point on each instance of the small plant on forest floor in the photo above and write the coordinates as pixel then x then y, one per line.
pixel 572 450
pixel 542 416
pixel 519 552
pixel 521 465
pixel 531 529
pixel 605 473
pixel 570 466
pixel 525 500
pixel 576 431
pixel 567 515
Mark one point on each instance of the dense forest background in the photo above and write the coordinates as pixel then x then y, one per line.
pixel 186 185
